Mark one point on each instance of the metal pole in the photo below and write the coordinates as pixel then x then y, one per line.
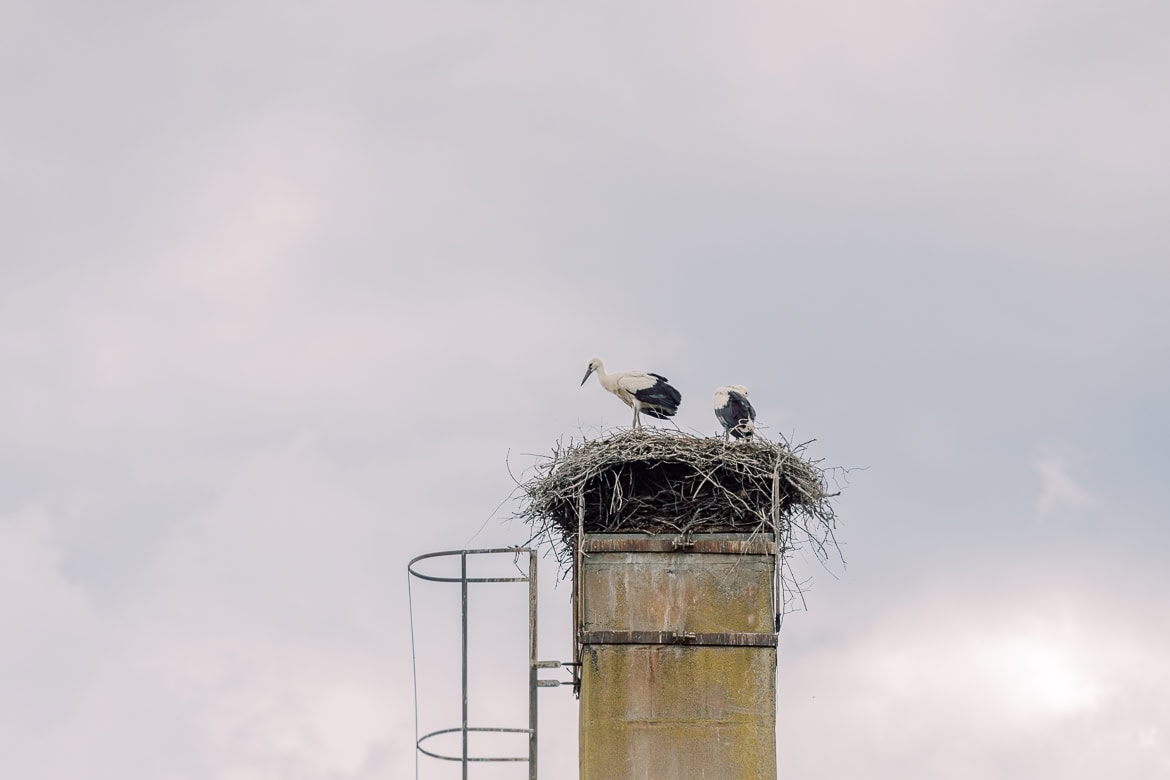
pixel 463 586
pixel 532 676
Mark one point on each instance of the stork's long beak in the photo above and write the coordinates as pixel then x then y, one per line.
pixel 587 373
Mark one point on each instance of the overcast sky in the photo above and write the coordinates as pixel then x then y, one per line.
pixel 287 288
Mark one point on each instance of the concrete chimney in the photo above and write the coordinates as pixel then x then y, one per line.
pixel 677 646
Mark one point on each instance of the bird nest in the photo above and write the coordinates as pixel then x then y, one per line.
pixel 672 482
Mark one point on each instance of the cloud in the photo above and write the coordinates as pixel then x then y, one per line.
pixel 980 685
pixel 282 291
pixel 262 641
pixel 1059 492
pixel 46 629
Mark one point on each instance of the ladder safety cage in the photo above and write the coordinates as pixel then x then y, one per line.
pixel 534 665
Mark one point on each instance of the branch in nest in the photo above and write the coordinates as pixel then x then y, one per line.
pixel 672 482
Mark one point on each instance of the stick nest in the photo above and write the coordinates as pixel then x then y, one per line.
pixel 673 482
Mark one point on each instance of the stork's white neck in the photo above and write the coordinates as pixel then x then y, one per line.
pixel 608 381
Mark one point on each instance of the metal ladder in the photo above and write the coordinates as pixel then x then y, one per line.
pixel 534 666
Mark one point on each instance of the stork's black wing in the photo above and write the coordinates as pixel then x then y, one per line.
pixel 660 400
pixel 735 413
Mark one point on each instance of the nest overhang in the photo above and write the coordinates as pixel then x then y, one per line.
pixel 672 482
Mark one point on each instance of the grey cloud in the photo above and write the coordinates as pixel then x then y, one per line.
pixel 285 288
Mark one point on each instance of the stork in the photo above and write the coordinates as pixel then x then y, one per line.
pixel 640 390
pixel 735 411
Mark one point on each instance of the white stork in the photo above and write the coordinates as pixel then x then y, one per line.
pixel 640 390
pixel 735 411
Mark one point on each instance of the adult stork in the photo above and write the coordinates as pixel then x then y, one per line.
pixel 640 390
pixel 735 411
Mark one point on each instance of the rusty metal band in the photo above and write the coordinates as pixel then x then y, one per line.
pixel 599 544
pixel 707 639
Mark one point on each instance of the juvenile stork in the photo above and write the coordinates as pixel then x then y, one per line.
pixel 640 390
pixel 735 411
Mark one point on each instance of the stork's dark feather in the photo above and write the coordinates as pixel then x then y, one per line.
pixel 734 411
pixel 660 400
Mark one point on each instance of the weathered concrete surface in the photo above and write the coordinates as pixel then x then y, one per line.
pixel 676 713
pixel 684 592
pixel 671 711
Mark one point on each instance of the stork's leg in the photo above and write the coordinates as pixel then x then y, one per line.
pixel 637 419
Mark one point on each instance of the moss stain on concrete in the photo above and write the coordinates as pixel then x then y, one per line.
pixel 677 712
